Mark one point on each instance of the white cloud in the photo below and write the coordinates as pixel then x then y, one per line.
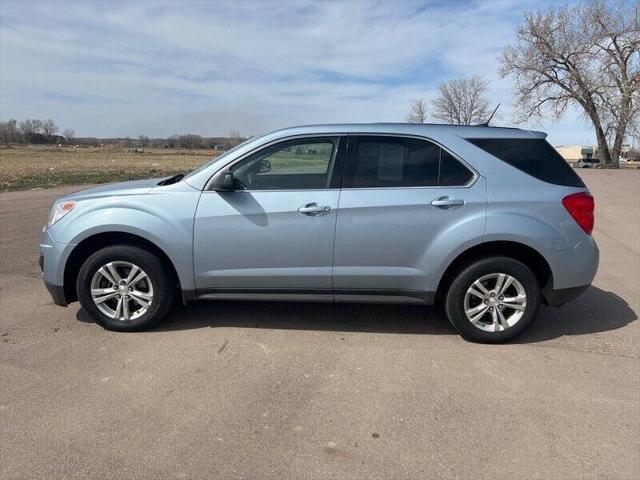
pixel 112 68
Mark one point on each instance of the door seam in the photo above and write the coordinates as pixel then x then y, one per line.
pixel 333 250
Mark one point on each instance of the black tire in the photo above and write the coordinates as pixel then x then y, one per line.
pixel 158 275
pixel 455 298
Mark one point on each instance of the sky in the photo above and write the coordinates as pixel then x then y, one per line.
pixel 116 69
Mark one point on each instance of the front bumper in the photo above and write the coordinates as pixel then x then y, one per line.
pixel 52 260
pixel 57 293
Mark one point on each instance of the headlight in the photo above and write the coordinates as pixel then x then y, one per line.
pixel 59 210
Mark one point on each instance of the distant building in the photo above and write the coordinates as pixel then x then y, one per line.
pixel 573 153
pixel 625 150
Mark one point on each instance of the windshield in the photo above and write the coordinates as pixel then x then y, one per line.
pixel 219 157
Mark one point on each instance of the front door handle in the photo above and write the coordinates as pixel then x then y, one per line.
pixel 447 202
pixel 313 209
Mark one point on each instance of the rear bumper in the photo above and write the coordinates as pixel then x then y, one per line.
pixel 574 268
pixel 555 298
pixel 572 271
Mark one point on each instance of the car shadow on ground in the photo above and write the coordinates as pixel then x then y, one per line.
pixel 407 319
pixel 595 311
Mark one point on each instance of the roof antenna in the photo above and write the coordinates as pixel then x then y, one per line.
pixel 486 124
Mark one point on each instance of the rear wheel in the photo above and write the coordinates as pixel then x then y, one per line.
pixel 125 288
pixel 493 300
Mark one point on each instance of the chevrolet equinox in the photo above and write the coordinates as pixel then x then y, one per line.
pixel 488 222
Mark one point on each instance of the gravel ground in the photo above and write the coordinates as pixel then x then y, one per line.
pixel 257 390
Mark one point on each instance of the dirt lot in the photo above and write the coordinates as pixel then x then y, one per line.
pixel 253 390
pixel 32 166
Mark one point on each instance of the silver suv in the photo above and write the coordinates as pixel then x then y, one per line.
pixel 489 222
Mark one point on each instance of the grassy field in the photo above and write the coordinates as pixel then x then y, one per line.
pixel 26 167
pixel 23 167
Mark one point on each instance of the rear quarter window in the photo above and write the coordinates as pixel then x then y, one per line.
pixel 534 156
pixel 452 172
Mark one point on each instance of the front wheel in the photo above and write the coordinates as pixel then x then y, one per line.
pixel 493 300
pixel 125 288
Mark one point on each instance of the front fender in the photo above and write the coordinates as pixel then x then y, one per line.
pixel 165 222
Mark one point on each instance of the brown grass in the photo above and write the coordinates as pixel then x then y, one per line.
pixel 25 167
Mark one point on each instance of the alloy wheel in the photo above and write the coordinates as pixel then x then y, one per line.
pixel 495 302
pixel 122 290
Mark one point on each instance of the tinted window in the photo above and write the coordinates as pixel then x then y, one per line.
pixel 378 161
pixel 452 172
pixel 295 164
pixel 533 156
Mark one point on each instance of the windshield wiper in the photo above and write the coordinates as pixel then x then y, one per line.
pixel 172 180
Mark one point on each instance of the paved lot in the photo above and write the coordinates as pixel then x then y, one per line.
pixel 232 390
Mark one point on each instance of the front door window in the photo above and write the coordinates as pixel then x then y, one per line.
pixel 301 164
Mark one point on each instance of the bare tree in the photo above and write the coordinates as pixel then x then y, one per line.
pixel 144 141
pixel 38 126
pixel 49 127
pixel 9 131
pixel 418 111
pixel 462 102
pixel 27 127
pixel 586 55
pixel 633 128
pixel 235 138
pixel 68 135
pixel 189 140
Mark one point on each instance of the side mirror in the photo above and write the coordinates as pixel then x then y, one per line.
pixel 224 182
pixel 264 166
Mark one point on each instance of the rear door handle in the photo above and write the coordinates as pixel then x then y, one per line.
pixel 313 209
pixel 447 202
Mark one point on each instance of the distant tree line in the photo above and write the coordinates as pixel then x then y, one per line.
pixel 196 141
pixel 187 140
pixel 34 131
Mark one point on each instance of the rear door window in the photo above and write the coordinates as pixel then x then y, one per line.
pixel 533 156
pixel 381 161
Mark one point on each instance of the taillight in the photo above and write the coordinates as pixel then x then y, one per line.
pixel 580 206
